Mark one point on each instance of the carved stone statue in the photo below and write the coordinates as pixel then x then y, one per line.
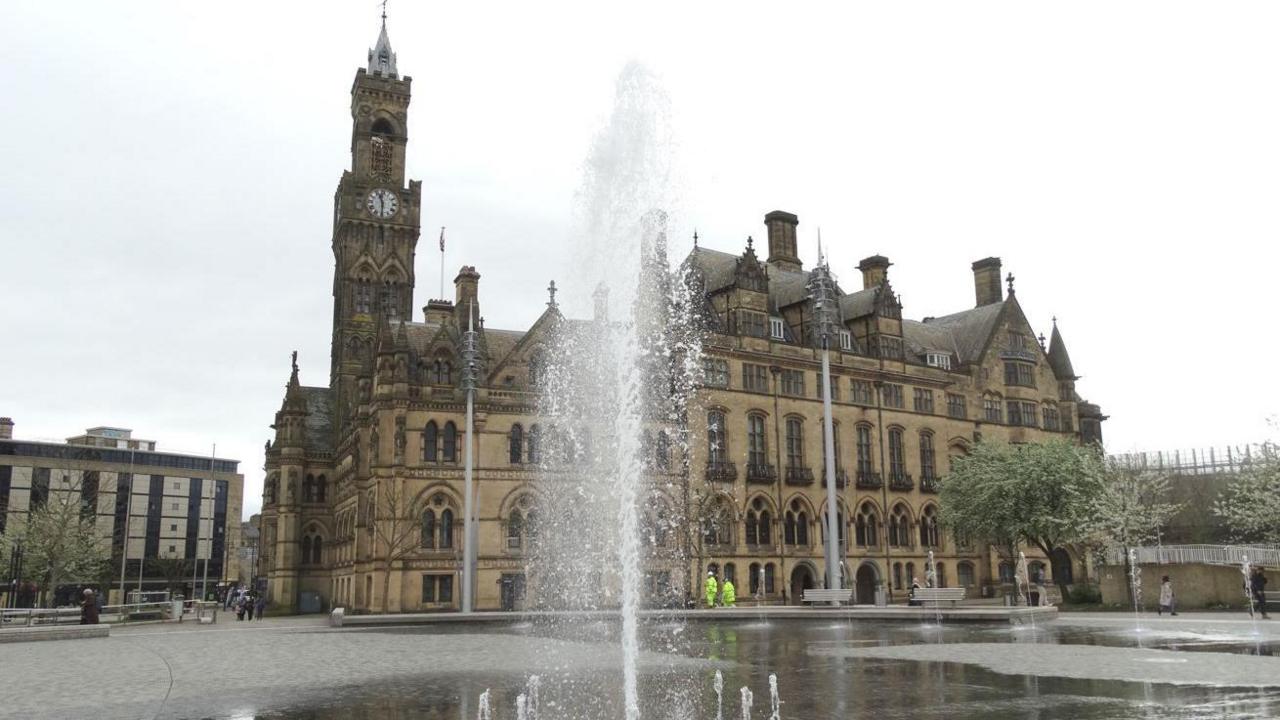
pixel 400 440
pixel 293 486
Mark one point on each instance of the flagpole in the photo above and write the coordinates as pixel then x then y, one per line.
pixel 442 297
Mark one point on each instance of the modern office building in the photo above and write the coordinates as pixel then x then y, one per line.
pixel 154 510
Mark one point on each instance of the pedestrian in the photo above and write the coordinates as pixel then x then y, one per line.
pixel 1166 597
pixel 911 599
pixel 711 588
pixel 238 605
pixel 728 594
pixel 1258 589
pixel 89 608
pixel 261 606
pixel 248 604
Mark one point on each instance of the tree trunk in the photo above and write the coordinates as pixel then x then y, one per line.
pixel 386 585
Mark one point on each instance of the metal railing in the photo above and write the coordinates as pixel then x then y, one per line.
pixel 1267 555
pixel 163 611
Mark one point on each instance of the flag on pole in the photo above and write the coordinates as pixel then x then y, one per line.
pixel 441 238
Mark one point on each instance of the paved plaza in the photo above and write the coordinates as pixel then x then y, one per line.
pixel 244 670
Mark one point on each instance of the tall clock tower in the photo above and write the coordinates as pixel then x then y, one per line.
pixel 375 225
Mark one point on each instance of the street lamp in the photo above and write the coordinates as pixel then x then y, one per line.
pixel 826 316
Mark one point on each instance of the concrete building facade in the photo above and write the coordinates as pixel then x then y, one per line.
pixel 149 506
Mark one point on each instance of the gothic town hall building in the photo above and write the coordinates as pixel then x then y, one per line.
pixel 383 440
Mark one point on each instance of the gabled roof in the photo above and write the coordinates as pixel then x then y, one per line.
pixel 859 304
pixel 970 329
pixel 1059 360
pixel 719 271
pixel 921 338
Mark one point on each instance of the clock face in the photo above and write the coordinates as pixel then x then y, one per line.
pixel 382 203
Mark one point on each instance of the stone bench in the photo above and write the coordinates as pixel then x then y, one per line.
pixel 818 595
pixel 54 632
pixel 937 595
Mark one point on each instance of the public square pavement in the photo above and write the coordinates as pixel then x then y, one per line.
pixel 237 669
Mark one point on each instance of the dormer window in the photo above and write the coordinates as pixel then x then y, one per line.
pixel 846 340
pixel 938 360
pixel 777 330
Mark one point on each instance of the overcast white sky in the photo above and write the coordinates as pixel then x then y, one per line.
pixel 167 172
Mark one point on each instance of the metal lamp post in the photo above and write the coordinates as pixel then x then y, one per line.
pixel 469 359
pixel 826 317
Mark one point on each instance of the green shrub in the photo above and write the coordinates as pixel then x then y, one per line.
pixel 1082 594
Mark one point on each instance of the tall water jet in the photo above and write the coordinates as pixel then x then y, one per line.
pixel 747 701
pixel 613 388
pixel 775 702
pixel 485 713
pixel 931 580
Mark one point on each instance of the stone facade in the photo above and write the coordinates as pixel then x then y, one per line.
pixel 365 474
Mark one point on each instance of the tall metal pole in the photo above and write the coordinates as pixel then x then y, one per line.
pixel 826 316
pixel 128 519
pixel 468 521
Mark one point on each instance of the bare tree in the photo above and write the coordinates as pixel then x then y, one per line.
pixel 59 533
pixel 395 528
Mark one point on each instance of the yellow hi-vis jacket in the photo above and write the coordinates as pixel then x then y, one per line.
pixel 727 594
pixel 711 586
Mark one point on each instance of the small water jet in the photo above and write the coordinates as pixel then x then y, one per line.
pixel 718 685
pixel 485 712
pixel 747 700
pixel 775 702
pixel 1135 583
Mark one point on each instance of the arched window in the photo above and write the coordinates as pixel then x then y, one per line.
pixel 768 578
pixel 897 576
pixel 522 524
pixel 964 574
pixel 757 523
pixel 928 469
pixel 757 442
pixel 430 442
pixel 429 529
pixel 941 571
pixel 929 527
pixel 442 372
pixel 866 526
pixel 535 452
pixel 717 523
pixel 450 453
pixel 382 126
pixel 389 301
pixel 363 297
pixel 321 488
pixel 662 451
pixel 822 522
pixel 656 525
pixel 309 489
pixel 753 578
pixel 865 468
pixel 446 529
pixel 789 528
pixel 795 443
pixel 731 573
pixel 802 528
pixel 515 444
pixel 717 449
pixel 911 575
pixel 306 549
pixel 515 530
pixel 897 455
pixel 899 527
pixel 315 550
pixel 1008 573
pixel 537 369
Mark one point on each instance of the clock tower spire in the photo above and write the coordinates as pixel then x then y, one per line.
pixel 376 224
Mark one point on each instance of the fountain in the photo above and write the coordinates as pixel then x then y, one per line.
pixel 931 580
pixel 1022 581
pixel 775 703
pixel 485 713
pixel 1135 583
pixel 718 685
pixel 747 700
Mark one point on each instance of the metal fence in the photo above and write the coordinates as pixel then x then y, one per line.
pixel 1196 461
pixel 1267 555
pixel 166 611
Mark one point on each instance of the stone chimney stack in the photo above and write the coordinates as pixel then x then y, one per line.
pixel 986 281
pixel 6 428
pixel 782 240
pixel 467 290
pixel 874 269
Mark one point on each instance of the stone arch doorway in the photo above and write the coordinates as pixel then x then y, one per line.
pixel 1060 560
pixel 801 580
pixel 865 582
